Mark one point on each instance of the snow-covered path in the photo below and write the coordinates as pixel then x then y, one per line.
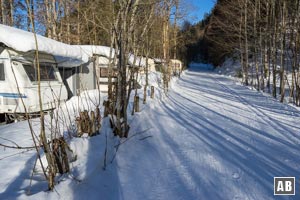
pixel 211 139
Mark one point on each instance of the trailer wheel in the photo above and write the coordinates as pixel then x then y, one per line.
pixel 10 118
pixel 7 119
pixel 2 118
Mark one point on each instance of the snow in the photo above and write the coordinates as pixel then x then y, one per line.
pixel 91 50
pixel 65 55
pixel 20 40
pixel 201 66
pixel 158 60
pixel 208 138
pixel 139 61
pixel 230 68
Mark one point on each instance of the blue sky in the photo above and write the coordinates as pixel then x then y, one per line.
pixel 197 8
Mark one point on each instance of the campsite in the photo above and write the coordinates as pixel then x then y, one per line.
pixel 149 99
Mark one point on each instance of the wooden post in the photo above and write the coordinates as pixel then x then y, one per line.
pixel 106 108
pixel 60 155
pixel 98 118
pixel 92 130
pixel 137 104
pixel 79 129
pixel 88 128
pixel 152 92
pixel 83 122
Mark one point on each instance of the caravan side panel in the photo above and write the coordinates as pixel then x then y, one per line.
pixel 87 76
pixel 16 77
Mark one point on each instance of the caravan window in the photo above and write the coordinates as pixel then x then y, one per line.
pixel 47 72
pixel 2 76
pixel 103 72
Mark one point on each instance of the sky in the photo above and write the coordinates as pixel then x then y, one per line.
pixel 197 9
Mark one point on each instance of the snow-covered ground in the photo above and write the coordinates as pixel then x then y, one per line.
pixel 232 68
pixel 210 138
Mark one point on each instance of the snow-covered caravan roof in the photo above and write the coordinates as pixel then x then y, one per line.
pixel 91 50
pixel 103 61
pixel 139 61
pixel 158 60
pixel 20 40
pixel 175 61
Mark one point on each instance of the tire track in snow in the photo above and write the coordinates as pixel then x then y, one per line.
pixel 208 159
pixel 194 152
pixel 281 129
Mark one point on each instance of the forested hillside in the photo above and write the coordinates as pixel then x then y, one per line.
pixel 262 35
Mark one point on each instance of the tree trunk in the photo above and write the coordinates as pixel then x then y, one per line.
pixel 137 104
pixel 152 92
pixel 11 5
pixel 67 10
pixel 241 47
pixel 47 150
pixel 255 46
pixel 2 12
pixel 48 19
pixel 246 42
pixel 78 23
pixel 274 50
pixel 282 57
pixel 54 20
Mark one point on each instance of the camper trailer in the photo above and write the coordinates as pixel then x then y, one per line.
pixel 176 67
pixel 19 75
pixel 88 76
pixel 78 78
pixel 159 64
pixel 102 64
pixel 18 82
pixel 151 65
pixel 92 74
pixel 141 63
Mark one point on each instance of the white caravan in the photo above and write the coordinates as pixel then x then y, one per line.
pixel 18 71
pixel 92 74
pixel 18 81
pixel 176 66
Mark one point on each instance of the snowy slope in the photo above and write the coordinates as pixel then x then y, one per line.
pixel 211 138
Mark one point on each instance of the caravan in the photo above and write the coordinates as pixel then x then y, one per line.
pixel 19 77
pixel 92 74
pixel 18 81
pixel 65 71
